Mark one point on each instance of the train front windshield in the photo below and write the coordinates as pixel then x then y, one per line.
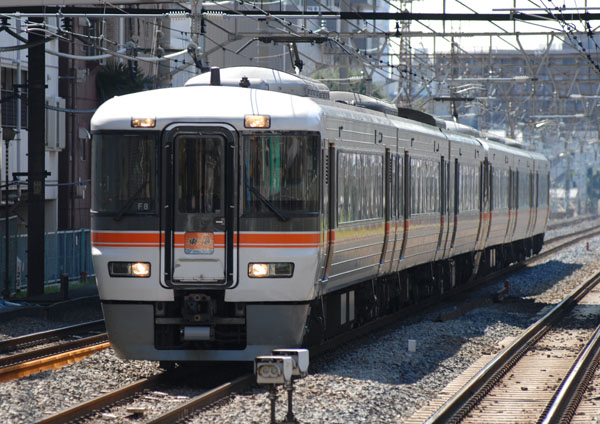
pixel 282 174
pixel 124 174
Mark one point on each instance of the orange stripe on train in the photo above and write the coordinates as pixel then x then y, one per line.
pixel 245 239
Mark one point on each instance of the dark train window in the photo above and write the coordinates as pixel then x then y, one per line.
pixel 199 174
pixel 282 172
pixel 500 181
pixel 469 187
pixel 360 186
pixel 425 186
pixel 124 173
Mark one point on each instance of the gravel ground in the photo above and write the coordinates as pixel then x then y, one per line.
pixel 377 380
pixel 374 380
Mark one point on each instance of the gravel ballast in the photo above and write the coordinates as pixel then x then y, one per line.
pixel 374 379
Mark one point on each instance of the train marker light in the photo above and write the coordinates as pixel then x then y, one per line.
pixel 300 358
pixel 271 270
pixel 257 121
pixel 129 269
pixel 273 369
pixel 143 122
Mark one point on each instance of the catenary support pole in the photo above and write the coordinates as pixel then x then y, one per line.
pixel 36 91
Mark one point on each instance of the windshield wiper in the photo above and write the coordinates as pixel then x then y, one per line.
pixel 268 203
pixel 129 203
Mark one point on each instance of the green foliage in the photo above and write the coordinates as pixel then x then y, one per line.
pixel 116 79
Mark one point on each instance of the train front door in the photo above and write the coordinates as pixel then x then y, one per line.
pixel 198 207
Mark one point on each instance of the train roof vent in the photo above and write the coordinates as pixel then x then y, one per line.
pixel 263 79
pixel 417 115
pixel 360 100
pixel 504 140
pixel 462 128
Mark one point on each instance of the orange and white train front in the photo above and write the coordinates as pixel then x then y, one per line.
pixel 207 233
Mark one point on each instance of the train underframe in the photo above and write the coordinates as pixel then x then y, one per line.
pixel 345 309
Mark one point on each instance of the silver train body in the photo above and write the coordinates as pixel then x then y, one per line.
pixel 257 210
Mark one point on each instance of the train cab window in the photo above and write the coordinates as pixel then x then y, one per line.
pixel 199 173
pixel 124 174
pixel 281 173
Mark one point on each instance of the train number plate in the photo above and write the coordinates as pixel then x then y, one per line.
pixel 199 243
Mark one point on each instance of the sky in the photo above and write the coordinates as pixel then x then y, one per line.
pixel 482 43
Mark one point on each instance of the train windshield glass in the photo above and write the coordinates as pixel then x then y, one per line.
pixel 124 174
pixel 282 173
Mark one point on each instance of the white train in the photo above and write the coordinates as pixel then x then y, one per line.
pixel 253 209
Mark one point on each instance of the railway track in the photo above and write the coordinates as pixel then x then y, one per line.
pixel 245 381
pixel 530 380
pixel 90 411
pixel 53 349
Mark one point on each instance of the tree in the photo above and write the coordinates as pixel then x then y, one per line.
pixel 116 79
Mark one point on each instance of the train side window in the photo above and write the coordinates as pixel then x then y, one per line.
pixel 360 186
pixel 500 188
pixel 425 186
pixel 469 194
pixel 524 189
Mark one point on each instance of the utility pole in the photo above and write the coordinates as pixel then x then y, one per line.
pixel 36 185
pixel 405 59
pixel 6 290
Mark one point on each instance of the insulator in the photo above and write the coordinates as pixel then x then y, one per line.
pixel 178 15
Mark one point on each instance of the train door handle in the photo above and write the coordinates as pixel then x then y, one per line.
pixel 220 221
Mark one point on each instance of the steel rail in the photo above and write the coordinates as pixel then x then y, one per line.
pixel 204 400
pixel 558 224
pixel 86 408
pixel 457 407
pixel 564 405
pixel 56 361
pixel 12 343
pixel 579 235
pixel 51 350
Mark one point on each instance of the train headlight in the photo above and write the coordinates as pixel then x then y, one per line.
pixel 140 269
pixel 257 121
pixel 271 270
pixel 143 122
pixel 129 269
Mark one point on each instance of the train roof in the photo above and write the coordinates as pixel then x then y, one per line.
pixel 200 104
pixel 261 79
